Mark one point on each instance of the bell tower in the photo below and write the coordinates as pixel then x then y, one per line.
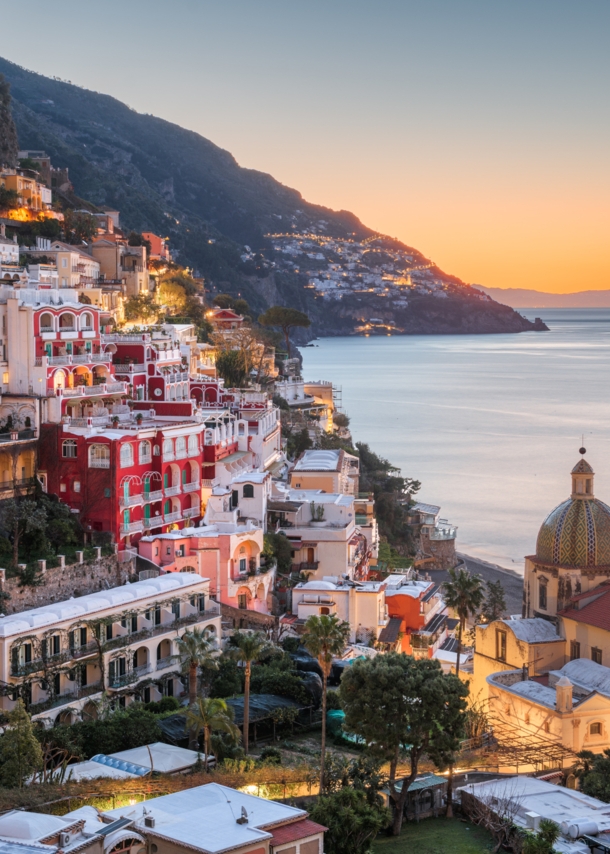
pixel 582 478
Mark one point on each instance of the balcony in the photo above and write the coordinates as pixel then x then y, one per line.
pixel 193 486
pixel 154 495
pixel 99 462
pixel 18 436
pixel 131 368
pixel 168 661
pixel 173 490
pixel 131 528
pixel 65 699
pixel 213 610
pixel 19 483
pixel 89 390
pixel 168 456
pixel 130 500
pixel 191 511
pixel 181 454
pixel 169 518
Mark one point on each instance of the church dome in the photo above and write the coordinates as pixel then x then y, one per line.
pixel 577 533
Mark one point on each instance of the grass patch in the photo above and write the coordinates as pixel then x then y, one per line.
pixel 436 836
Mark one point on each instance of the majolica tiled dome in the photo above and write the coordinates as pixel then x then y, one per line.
pixel 577 533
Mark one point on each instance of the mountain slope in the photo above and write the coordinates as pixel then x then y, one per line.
pixel 219 216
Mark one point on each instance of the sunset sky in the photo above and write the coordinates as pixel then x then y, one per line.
pixel 477 131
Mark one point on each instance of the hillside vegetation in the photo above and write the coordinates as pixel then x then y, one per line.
pixel 217 214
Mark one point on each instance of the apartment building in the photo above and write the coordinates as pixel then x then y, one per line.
pixel 76 268
pixel 331 471
pixel 417 614
pixel 121 264
pixel 360 604
pixel 31 193
pixel 321 528
pixel 60 658
pixel 227 550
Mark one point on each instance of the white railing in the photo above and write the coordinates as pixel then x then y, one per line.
pixel 193 486
pixel 191 511
pixel 130 500
pixel 85 358
pixel 153 495
pixel 173 490
pixel 176 516
pixel 207 483
pixel 129 369
pixel 116 387
pixel 181 455
pixel 99 464
pixel 89 390
pixel 145 459
pixel 168 456
pixel 91 421
pixel 115 337
pixel 131 527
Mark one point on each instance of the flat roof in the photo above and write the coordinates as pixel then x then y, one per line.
pixel 318 461
pixel 84 606
pixel 205 817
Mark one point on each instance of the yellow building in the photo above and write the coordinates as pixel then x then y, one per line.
pixel 572 550
pixel 331 471
pixel 31 193
pixel 18 446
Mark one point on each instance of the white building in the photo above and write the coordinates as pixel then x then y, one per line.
pixel 361 604
pixel 526 800
pixel 59 658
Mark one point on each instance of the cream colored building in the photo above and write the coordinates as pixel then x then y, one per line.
pixel 60 658
pixel 570 706
pixel 329 471
pixel 361 605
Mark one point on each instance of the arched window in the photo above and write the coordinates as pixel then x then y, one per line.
pixel 248 490
pixel 99 457
pixel 193 446
pixel 241 429
pixel 67 321
pixel 168 448
pixel 542 597
pixel 180 447
pixel 69 448
pixel 126 455
pixel 86 321
pixel 144 453
pixel 46 322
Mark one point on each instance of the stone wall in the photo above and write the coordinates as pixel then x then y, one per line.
pixel 240 619
pixel 442 553
pixel 71 581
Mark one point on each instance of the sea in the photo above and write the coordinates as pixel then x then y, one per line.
pixel 490 424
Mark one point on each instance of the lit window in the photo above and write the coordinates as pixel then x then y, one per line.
pixel 5 377
pixel 62 487
pixel 501 646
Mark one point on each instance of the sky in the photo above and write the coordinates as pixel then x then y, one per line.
pixel 477 131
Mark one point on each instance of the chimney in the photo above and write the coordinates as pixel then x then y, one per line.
pixel 563 690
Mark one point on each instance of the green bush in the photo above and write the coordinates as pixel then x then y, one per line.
pixel 271 756
pixel 165 704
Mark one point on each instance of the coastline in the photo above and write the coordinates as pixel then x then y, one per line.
pixel 511 581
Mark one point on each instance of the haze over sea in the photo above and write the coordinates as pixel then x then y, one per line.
pixel 490 424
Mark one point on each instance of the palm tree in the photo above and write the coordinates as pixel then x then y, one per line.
pixel 325 637
pixel 248 647
pixel 196 648
pixel 463 593
pixel 210 714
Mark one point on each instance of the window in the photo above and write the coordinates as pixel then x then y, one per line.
pixel 500 645
pixel 242 602
pixel 595 728
pixel 596 655
pixel 243 564
pixel 99 457
pixel 76 486
pixel 67 321
pixel 168 448
pixel 574 650
pixel 180 447
pixel 68 448
pixel 46 322
pixel 547 726
pixel 126 455
pixel 248 491
pixel 86 321
pixel 144 452
pixel 193 446
pixel 542 598
pixel 64 262
pixel 176 610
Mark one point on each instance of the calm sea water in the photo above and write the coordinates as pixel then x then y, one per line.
pixel 490 424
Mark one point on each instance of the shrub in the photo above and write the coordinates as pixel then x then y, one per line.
pixel 271 756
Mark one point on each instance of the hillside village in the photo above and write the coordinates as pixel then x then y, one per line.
pixel 205 576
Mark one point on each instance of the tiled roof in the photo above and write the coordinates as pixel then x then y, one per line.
pixel 596 613
pixel 294 831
